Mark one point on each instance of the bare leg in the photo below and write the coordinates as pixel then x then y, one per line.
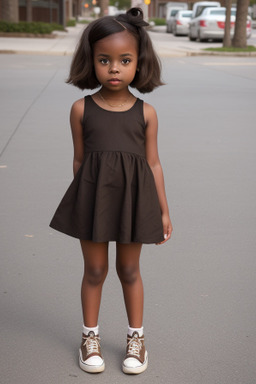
pixel 128 270
pixel 95 272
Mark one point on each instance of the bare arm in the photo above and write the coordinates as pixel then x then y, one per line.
pixel 76 116
pixel 155 165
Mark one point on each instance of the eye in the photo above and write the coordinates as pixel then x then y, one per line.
pixel 126 61
pixel 104 61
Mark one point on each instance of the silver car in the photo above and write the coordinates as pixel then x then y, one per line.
pixel 211 24
pixel 181 23
pixel 170 20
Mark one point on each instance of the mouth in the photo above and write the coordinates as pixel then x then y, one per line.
pixel 114 80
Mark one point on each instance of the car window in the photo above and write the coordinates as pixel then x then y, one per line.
pixel 201 8
pixel 186 15
pixel 173 12
pixel 218 12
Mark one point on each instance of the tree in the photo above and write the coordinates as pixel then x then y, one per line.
pixel 77 8
pixel 29 10
pixel 121 4
pixel 227 38
pixel 10 10
pixel 240 39
pixel 103 4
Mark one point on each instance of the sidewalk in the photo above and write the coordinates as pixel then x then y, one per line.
pixel 65 43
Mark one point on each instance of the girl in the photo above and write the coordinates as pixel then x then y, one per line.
pixel 118 189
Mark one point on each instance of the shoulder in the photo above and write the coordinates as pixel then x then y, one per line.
pixel 149 113
pixel 78 106
pixel 77 110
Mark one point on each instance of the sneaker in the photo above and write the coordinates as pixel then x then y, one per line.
pixel 90 358
pixel 136 359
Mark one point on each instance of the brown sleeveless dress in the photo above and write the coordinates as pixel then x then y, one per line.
pixel 113 195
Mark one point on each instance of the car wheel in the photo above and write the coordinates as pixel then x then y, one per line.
pixel 202 40
pixel 191 38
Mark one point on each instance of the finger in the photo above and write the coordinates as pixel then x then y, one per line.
pixel 170 229
pixel 166 238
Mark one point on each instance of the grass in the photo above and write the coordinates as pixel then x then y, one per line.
pixel 84 21
pixel 158 21
pixel 249 48
pixel 71 23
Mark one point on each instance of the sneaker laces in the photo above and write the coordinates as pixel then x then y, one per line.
pixel 134 346
pixel 92 343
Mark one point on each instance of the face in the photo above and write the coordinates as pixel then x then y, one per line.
pixel 115 60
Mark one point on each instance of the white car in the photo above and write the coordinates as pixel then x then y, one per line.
pixel 170 20
pixel 211 24
pixel 181 23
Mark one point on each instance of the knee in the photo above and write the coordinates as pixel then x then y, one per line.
pixel 127 274
pixel 96 275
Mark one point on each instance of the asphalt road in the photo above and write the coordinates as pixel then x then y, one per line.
pixel 200 312
pixel 168 45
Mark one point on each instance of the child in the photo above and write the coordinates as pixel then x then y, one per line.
pixel 118 189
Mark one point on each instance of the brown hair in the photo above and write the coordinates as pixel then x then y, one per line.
pixel 82 73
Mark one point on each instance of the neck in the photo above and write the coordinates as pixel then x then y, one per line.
pixel 117 101
pixel 116 95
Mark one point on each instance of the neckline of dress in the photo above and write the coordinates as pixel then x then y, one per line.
pixel 107 110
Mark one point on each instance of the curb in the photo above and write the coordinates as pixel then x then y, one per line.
pixel 29 35
pixel 38 53
pixel 161 54
pixel 227 54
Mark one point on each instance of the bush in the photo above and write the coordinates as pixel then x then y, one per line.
pixel 71 23
pixel 84 21
pixel 25 27
pixel 56 27
pixel 158 20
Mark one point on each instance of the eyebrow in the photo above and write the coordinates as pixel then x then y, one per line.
pixel 123 55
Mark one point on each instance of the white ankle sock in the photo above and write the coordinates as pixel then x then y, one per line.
pixel 131 330
pixel 86 330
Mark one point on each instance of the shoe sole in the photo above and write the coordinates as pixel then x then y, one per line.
pixel 136 370
pixel 90 368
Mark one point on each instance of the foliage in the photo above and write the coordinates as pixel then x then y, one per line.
pixel 158 21
pixel 249 48
pixel 71 23
pixel 121 4
pixel 26 27
pixel 84 21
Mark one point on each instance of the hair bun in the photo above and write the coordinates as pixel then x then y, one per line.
pixel 134 16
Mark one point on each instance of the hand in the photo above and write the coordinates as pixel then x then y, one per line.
pixel 167 227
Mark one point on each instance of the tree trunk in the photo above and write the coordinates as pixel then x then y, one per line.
pixel 29 10
pixel 10 10
pixel 227 39
pixel 78 9
pixel 240 40
pixel 103 4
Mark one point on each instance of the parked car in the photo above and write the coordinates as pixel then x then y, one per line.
pixel 171 10
pixel 199 6
pixel 181 23
pixel 249 27
pixel 170 20
pixel 170 5
pixel 211 24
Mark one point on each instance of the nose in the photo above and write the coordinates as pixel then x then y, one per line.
pixel 114 68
